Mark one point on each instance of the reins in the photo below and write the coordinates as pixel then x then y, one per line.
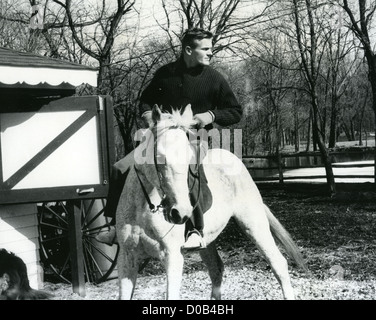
pixel 153 208
pixel 156 208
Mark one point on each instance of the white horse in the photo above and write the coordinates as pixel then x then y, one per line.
pixel 143 232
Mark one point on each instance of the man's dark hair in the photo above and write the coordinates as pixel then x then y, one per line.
pixel 190 35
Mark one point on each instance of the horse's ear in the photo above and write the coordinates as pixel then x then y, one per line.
pixel 156 113
pixel 187 114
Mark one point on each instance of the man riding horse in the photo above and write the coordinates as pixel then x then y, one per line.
pixel 188 80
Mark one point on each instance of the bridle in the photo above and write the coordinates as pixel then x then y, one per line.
pixel 159 208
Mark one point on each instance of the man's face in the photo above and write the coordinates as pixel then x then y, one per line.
pixel 202 53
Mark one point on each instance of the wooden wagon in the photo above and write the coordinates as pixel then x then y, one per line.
pixel 56 151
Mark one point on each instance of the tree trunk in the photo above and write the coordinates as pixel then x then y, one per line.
pixel 296 129
pixel 323 150
pixel 314 136
pixel 371 58
pixel 103 75
pixel 352 130
pixel 309 131
pixel 278 138
pixel 346 131
pixel 333 124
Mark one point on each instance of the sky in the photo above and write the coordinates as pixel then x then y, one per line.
pixel 151 14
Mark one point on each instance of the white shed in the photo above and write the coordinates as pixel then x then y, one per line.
pixel 24 78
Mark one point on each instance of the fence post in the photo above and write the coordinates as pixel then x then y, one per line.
pixel 280 163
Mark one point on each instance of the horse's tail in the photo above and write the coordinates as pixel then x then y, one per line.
pixel 285 239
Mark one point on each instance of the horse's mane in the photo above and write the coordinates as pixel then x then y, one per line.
pixel 175 119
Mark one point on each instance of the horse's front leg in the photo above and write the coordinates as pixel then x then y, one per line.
pixel 127 272
pixel 174 262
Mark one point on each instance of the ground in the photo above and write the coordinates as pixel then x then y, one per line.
pixel 336 237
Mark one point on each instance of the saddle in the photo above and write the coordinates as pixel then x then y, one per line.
pixel 199 195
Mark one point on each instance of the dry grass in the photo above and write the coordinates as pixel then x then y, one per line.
pixel 336 236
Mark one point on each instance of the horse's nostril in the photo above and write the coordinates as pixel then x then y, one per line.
pixel 175 216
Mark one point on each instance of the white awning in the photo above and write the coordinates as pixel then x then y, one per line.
pixel 10 75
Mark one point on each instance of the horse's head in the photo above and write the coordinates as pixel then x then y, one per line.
pixel 173 153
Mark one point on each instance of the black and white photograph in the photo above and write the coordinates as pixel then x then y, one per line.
pixel 192 150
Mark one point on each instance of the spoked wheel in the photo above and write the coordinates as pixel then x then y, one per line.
pixel 99 259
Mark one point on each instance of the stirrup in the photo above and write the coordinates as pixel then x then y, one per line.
pixel 194 241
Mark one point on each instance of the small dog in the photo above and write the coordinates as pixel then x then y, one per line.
pixel 14 283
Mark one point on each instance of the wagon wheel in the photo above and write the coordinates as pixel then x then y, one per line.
pixel 99 259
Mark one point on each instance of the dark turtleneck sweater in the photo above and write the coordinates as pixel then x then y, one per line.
pixel 174 86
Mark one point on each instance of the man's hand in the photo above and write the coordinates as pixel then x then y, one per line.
pixel 203 119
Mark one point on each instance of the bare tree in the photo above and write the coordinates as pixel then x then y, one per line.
pixel 338 70
pixel 49 37
pixel 229 20
pixel 116 66
pixel 308 49
pixel 15 27
pixel 361 16
pixel 104 36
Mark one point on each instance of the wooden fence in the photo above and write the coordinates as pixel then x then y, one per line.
pixel 360 169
